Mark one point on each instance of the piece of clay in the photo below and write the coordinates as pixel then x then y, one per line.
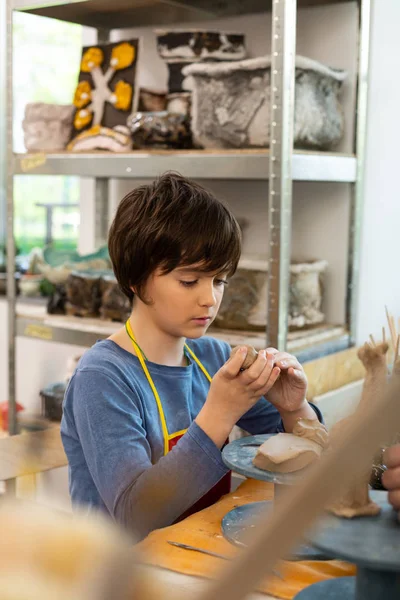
pixel 289 452
pixel 250 357
pixel 286 453
pixel 356 501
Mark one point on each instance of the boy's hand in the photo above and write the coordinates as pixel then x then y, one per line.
pixel 233 392
pixel 289 392
pixel 391 477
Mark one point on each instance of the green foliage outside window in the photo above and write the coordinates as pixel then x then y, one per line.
pixel 46 59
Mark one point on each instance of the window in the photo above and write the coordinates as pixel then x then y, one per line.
pixel 46 65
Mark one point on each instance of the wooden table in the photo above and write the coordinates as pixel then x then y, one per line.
pixel 31 453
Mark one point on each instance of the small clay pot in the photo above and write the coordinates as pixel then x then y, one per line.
pixel 250 357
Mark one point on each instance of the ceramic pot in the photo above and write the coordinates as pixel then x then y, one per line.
pixel 231 104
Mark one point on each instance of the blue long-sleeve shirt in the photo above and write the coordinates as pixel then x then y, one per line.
pixel 113 439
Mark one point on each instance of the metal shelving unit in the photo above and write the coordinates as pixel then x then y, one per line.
pixel 280 166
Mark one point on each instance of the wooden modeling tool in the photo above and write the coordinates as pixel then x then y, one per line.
pixel 210 553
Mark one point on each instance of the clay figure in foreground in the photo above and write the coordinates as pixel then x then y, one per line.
pixel 356 501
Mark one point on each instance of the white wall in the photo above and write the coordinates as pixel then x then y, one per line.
pixel 380 248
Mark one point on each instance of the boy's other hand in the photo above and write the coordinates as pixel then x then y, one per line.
pixel 289 392
pixel 233 392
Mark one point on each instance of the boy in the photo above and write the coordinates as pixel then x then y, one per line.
pixel 149 409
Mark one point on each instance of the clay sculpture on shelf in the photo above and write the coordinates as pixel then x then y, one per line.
pixel 83 294
pixel 117 139
pixel 231 103
pixel 96 293
pixel 200 45
pixel 114 304
pixel 289 452
pixel 306 293
pixel 57 265
pixel 356 501
pixel 244 302
pixel 181 48
pixel 106 92
pixel 160 130
pixel 47 127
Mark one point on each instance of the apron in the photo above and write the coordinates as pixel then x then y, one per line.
pixel 170 440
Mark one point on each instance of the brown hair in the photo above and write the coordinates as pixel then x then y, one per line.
pixel 169 223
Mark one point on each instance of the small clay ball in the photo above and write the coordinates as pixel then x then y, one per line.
pixel 250 357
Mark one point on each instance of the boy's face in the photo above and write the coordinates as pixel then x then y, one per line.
pixel 184 303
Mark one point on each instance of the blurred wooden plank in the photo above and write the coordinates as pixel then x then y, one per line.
pixel 30 453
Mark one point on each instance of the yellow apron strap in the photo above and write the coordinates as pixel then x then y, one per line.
pixel 177 434
pixel 139 353
pixel 202 367
pixel 153 387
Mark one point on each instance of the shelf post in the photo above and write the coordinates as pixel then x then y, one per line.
pixel 358 187
pixel 7 191
pixel 280 168
pixel 101 183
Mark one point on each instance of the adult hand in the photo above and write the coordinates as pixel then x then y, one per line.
pixel 233 392
pixel 391 477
